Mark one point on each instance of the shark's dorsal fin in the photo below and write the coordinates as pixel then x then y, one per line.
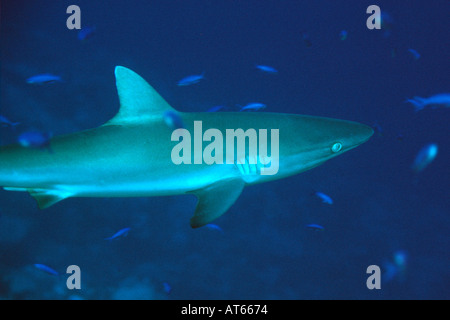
pixel 214 200
pixel 138 100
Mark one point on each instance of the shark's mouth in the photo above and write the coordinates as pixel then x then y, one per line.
pixel 251 168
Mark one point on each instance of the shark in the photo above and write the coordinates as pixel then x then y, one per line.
pixel 130 155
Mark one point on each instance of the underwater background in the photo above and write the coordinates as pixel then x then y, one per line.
pixel 328 64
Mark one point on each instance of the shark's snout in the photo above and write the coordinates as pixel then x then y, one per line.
pixel 362 133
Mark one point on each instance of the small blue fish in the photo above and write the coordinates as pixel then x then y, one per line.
pixel 387 22
pixel 173 120
pixel 46 269
pixel 343 35
pixel 253 106
pixel 401 258
pixel 167 288
pixel 267 69
pixel 190 80
pixel 120 233
pixel 397 268
pixel 425 156
pixel 35 139
pixel 315 227
pixel 414 54
pixel 4 122
pixel 44 78
pixel 442 99
pixel 390 271
pixel 214 227
pixel 325 198
pixel 215 108
pixel 377 128
pixel 86 32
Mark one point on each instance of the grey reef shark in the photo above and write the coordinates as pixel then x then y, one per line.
pixel 137 154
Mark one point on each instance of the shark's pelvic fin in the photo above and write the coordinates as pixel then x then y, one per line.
pixel 44 198
pixel 47 198
pixel 215 200
pixel 138 100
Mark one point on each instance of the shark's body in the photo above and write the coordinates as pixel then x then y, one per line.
pixel 130 155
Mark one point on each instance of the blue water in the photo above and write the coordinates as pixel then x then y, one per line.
pixel 381 209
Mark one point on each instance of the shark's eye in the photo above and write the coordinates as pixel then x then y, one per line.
pixel 336 147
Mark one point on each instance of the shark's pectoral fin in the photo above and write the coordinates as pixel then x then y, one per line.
pixel 47 198
pixel 215 200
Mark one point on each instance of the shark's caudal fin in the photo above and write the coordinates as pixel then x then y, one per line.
pixel 138 100
pixel 215 200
